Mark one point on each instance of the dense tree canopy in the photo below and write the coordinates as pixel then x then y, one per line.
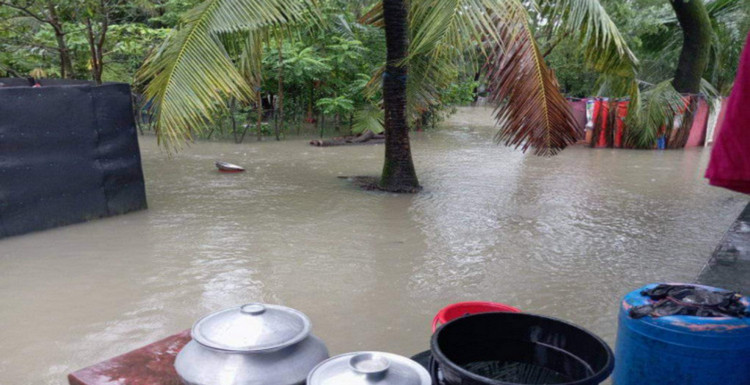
pixel 326 71
pixel 34 32
pixel 28 44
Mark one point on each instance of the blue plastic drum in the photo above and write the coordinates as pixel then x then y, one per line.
pixel 681 349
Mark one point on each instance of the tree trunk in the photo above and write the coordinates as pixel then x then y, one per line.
pixel 232 107
pixel 398 169
pixel 696 32
pixel 96 43
pixel 96 73
pixel 66 64
pixel 310 102
pixel 260 114
pixel 475 91
pixel 280 99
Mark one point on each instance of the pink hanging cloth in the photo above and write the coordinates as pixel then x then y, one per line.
pixel 730 158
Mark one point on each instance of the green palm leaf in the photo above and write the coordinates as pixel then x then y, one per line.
pixel 369 118
pixel 605 49
pixel 660 104
pixel 446 35
pixel 191 74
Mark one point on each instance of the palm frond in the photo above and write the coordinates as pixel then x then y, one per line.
pixel 611 85
pixel 445 37
pixel 344 28
pixel 368 118
pixel 374 16
pixel 251 57
pixel 438 24
pixel 443 34
pixel 530 110
pixel 654 115
pixel 605 49
pixel 191 74
pixel 708 90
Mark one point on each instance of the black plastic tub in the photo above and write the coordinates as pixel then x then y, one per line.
pixel 517 348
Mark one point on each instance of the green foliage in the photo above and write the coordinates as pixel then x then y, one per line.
pixel 192 73
pixel 336 56
pixel 168 13
pixel 369 118
pixel 459 93
pixel 129 45
pixel 657 111
pixel 28 43
pixel 332 57
pixel 575 78
pixel 337 105
pixel 656 114
pixel 302 64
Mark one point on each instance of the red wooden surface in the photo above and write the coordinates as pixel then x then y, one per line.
pixel 150 365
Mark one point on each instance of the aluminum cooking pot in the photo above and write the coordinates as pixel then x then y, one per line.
pixel 369 368
pixel 254 344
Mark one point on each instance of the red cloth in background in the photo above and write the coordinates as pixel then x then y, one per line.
pixel 601 112
pixel 730 158
pixel 622 113
pixel 700 121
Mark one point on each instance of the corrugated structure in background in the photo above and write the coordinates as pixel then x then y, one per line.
pixel 68 153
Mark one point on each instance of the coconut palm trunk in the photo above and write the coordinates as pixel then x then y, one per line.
pixel 398 170
pixel 696 32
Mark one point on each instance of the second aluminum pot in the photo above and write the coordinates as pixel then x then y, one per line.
pixel 369 368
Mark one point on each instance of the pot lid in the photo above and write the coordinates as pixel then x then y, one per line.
pixel 253 327
pixel 367 368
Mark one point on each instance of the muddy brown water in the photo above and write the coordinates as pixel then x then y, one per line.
pixel 564 236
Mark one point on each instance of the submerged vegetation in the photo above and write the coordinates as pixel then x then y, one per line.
pixel 248 68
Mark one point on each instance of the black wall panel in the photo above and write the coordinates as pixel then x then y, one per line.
pixel 68 153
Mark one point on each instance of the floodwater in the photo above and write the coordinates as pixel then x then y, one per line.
pixel 564 236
